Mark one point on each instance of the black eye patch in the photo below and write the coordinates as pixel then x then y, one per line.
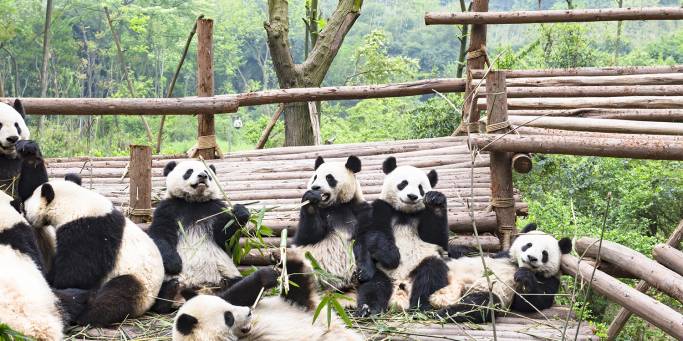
pixel 422 191
pixel 526 247
pixel 16 125
pixel 229 319
pixel 331 180
pixel 402 185
pixel 545 256
pixel 188 174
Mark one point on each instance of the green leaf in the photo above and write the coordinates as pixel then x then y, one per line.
pixel 314 263
pixel 320 307
pixel 340 310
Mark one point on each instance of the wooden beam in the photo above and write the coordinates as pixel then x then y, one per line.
pixel 669 256
pixel 140 175
pixel 660 115
pixel 586 71
pixel 206 129
pixel 597 91
pixel 590 134
pixel 599 125
pixel 476 59
pixel 570 145
pixel 635 102
pixel 622 80
pixel 649 309
pixel 554 16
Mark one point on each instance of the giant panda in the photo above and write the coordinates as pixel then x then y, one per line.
pixel 99 251
pixel 27 304
pixel 333 212
pixel 524 279
pixel 286 317
pixel 408 234
pixel 191 227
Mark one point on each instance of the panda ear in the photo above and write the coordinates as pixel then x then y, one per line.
pixel 389 165
pixel 169 167
pixel 188 293
pixel 48 193
pixel 433 178
pixel 213 169
pixel 186 324
pixel 565 245
pixel 353 164
pixel 16 204
pixel 318 161
pixel 529 227
pixel 19 107
pixel 75 178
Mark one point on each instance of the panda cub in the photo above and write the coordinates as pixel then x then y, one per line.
pixel 98 250
pixel 328 222
pixel 191 231
pixel 27 304
pixel 409 231
pixel 286 317
pixel 524 279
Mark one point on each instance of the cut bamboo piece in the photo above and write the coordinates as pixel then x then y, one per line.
pixel 670 257
pixel 586 71
pixel 599 125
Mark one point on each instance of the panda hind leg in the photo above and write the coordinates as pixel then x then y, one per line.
pixel 113 302
pixel 374 295
pixel 428 277
pixel 165 301
pixel 304 293
pixel 474 308
pixel 72 302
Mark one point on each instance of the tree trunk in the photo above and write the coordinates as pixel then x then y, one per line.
pixel 46 59
pixel 298 129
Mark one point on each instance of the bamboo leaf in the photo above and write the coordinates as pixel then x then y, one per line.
pixel 320 307
pixel 340 310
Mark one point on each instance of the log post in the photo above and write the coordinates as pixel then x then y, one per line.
pixel 206 142
pixel 476 59
pixel 502 199
pixel 623 315
pixel 669 257
pixel 140 175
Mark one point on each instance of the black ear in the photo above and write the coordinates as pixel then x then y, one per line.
pixel 169 167
pixel 565 245
pixel 229 319
pixel 186 324
pixel 213 169
pixel 389 165
pixel 353 164
pixel 48 193
pixel 188 293
pixel 433 178
pixel 16 204
pixel 73 177
pixel 19 107
pixel 319 161
pixel 529 227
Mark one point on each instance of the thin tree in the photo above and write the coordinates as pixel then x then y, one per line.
pixel 310 73
pixel 46 58
pixel 617 41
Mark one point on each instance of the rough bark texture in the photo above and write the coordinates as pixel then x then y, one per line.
pixel 312 71
pixel 206 122
pixel 46 57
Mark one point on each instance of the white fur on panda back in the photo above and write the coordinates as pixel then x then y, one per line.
pixel 9 214
pixel 335 255
pixel 26 302
pixel 204 262
pixel 139 257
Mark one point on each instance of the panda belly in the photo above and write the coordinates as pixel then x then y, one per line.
pixel 205 264
pixel 26 302
pixel 413 251
pixel 335 255
pixel 140 258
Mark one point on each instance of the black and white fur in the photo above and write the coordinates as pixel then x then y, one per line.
pixel 98 251
pixel 275 318
pixel 524 279
pixel 27 304
pixel 192 233
pixel 328 223
pixel 409 231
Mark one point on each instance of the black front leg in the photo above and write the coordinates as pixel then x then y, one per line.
pixel 537 292
pixel 433 227
pixel 374 295
pixel 312 227
pixel 428 277
pixel 33 171
pixel 164 233
pixel 246 291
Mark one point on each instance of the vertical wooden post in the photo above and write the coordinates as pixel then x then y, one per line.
pixel 502 199
pixel 206 141
pixel 140 173
pixel 476 60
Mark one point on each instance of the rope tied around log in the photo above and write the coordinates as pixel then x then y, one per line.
pixel 500 203
pixel 494 127
pixel 140 212
pixel 206 142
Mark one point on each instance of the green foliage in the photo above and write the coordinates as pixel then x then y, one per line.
pixel 436 117
pixel 9 334
pixel 375 66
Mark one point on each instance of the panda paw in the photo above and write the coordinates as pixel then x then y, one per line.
pixel 435 199
pixel 364 272
pixel 313 197
pixel 388 258
pixel 268 277
pixel 526 278
pixel 28 150
pixel 241 213
pixel 365 311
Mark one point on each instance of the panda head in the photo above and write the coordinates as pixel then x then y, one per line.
pixel 12 127
pixel 191 181
pixel 404 187
pixel 62 201
pixel 208 317
pixel 539 251
pixel 336 181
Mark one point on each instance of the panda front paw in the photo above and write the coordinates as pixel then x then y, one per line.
pixel 364 272
pixel 173 264
pixel 29 150
pixel 526 278
pixel 435 199
pixel 268 277
pixel 241 213
pixel 388 258
pixel 313 197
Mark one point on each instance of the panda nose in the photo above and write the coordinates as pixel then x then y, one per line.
pixel 412 197
pixel 13 139
pixel 315 188
pixel 202 176
pixel 532 259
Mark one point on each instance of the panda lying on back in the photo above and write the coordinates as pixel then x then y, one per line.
pixel 409 231
pixel 524 279
pixel 191 233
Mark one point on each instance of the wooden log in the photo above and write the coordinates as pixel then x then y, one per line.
pixel 624 80
pixel 206 125
pixel 126 106
pixel 634 262
pixel 586 71
pixel 599 125
pixel 476 59
pixel 554 16
pixel 521 163
pixel 669 256
pixel 623 315
pixel 271 124
pixel 663 115
pixel 140 183
pixel 590 134
pixel 634 102
pixel 501 162
pixel 609 268
pixel 649 309
pixel 611 147
pixel 596 91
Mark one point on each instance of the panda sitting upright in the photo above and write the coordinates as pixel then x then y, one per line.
pixel 191 231
pixel 524 279
pixel 408 234
pixel 329 221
